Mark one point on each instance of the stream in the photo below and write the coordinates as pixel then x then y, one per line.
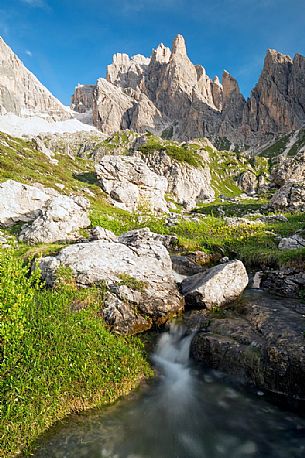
pixel 185 412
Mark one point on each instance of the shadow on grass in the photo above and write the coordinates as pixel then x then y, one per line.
pixel 86 177
pixel 230 208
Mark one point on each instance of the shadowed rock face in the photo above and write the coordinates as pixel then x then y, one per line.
pixel 168 91
pixel 20 91
pixel 260 341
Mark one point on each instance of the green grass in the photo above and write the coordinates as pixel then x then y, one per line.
pixel 256 245
pixel 276 148
pixel 132 282
pixel 57 355
pixel 182 153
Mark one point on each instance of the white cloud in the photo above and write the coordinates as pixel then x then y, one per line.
pixel 28 52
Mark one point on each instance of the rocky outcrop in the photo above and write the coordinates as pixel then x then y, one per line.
pixel 127 72
pixel 290 169
pixel 21 202
pixel 216 286
pixel 50 217
pixel 290 197
pixel 273 106
pixel 188 185
pixel 82 99
pixel 248 182
pixel 110 108
pixel 137 270
pixel 59 220
pixel 288 282
pixel 5 240
pixel 131 184
pixel 78 144
pixel 21 93
pixel 260 340
pixel 293 242
pixel 168 92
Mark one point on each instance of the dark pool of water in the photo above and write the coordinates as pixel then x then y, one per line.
pixel 187 412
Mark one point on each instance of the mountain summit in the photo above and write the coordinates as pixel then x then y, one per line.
pixel 167 94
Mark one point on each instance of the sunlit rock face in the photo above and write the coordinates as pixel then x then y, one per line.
pixel 168 93
pixel 21 93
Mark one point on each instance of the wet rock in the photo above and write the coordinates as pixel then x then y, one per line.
pixel 215 287
pixel 261 341
pixel 192 263
pixel 287 282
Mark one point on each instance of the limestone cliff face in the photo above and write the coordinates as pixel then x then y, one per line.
pixel 82 99
pixel 167 93
pixel 21 93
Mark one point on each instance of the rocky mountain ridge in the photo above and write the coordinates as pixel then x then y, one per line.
pixel 22 94
pixel 168 95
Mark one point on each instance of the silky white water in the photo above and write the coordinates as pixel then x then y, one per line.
pixel 187 412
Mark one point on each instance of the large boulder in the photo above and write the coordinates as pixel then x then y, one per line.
pixel 290 197
pixel 131 184
pixel 137 270
pixel 216 286
pixel 21 202
pixel 59 220
pixel 248 182
pixel 188 185
pixel 260 340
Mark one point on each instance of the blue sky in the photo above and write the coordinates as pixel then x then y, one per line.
pixel 65 42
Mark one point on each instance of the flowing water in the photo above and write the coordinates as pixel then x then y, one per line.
pixel 187 412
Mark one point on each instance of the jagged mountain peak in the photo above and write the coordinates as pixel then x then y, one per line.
pixel 275 57
pixel 161 54
pixel 173 95
pixel 229 84
pixel 179 46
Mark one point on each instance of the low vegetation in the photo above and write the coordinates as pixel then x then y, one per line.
pixel 57 355
pixel 186 152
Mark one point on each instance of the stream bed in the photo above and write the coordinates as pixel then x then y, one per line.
pixel 185 412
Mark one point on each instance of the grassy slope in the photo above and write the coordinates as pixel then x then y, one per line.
pixel 57 354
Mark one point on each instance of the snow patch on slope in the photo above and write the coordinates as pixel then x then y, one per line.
pixel 34 125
